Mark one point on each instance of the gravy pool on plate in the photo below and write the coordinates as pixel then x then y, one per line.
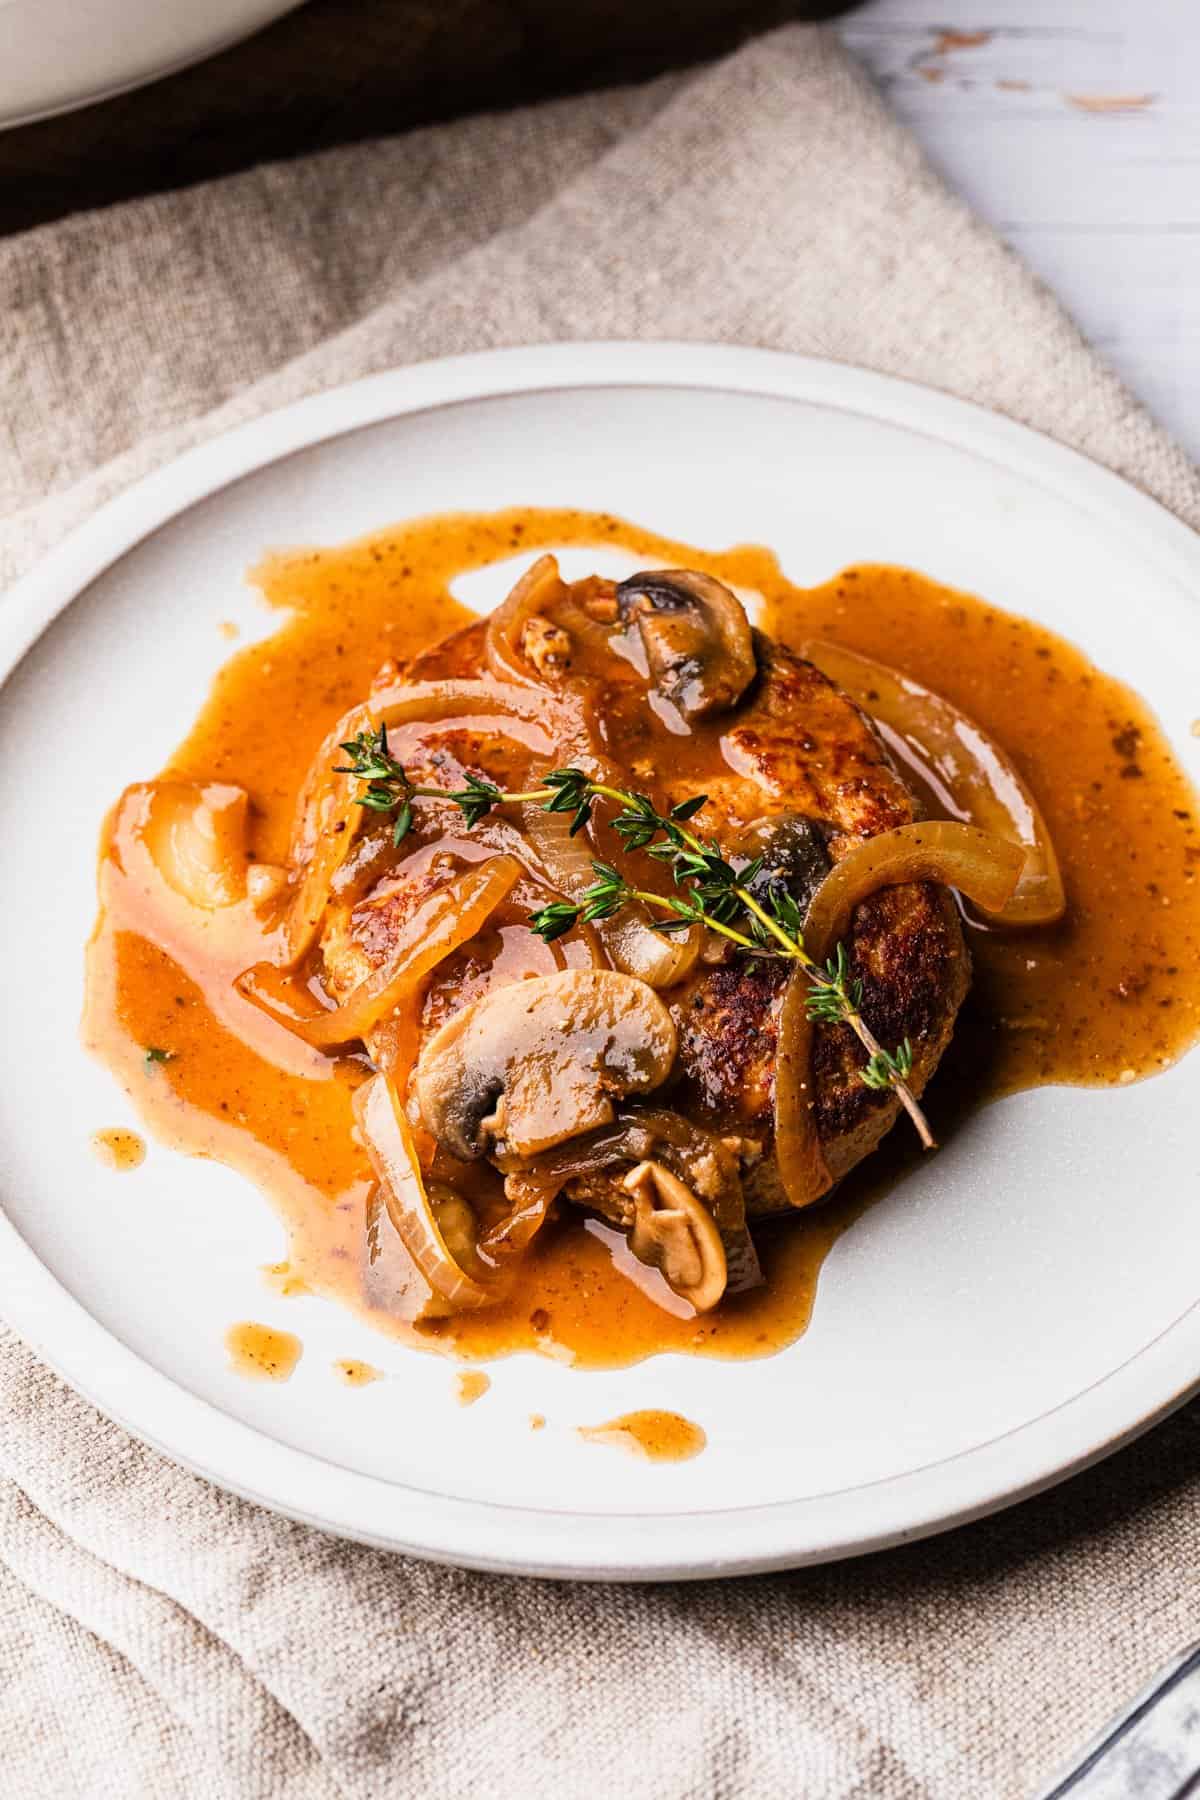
pixel 1105 994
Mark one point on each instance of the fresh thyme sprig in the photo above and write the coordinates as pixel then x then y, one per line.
pixel 771 925
pixel 389 788
pixel 714 893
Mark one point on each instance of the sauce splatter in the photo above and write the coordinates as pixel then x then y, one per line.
pixel 357 1374
pixel 283 1280
pixel 471 1385
pixel 658 1436
pixel 260 1353
pixel 119 1150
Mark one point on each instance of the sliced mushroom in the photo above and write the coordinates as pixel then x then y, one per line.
pixel 590 1172
pixel 696 637
pixel 674 1232
pixel 529 1065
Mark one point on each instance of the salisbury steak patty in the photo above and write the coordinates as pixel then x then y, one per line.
pixel 793 771
pixel 800 751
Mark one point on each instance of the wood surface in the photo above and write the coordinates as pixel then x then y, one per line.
pixel 338 70
pixel 1073 127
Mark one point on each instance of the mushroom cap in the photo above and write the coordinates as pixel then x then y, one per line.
pixel 531 1064
pixel 696 636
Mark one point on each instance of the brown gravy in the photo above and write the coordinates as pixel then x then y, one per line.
pixel 658 1436
pixel 261 1353
pixel 282 1279
pixel 119 1150
pixel 471 1385
pixel 353 1373
pixel 1108 996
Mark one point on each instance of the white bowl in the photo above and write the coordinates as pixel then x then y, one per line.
pixel 59 54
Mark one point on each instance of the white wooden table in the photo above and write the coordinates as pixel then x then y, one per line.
pixel 1073 127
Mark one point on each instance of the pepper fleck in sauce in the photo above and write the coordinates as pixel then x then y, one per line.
pixel 353 1373
pixel 1107 996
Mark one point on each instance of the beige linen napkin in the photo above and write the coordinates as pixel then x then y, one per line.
pixel 158 1637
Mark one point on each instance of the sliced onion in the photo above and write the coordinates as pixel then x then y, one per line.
pixel 583 629
pixel 530 1203
pixel 329 816
pixel 798 1153
pixel 324 835
pixel 400 704
pixel 196 834
pixel 629 939
pixel 981 781
pixel 984 868
pixel 540 586
pixel 389 1144
pixel 449 917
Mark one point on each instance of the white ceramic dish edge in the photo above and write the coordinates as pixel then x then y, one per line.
pixel 510 1539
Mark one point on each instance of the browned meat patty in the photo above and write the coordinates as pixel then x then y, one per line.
pixel 799 749
pixel 794 770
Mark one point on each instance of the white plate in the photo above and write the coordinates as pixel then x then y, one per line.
pixel 58 54
pixel 1024 1304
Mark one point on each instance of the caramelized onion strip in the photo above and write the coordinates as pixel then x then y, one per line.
pixel 984 868
pixel 629 939
pixel 529 1204
pixel 798 1153
pixel 631 943
pixel 195 834
pixel 329 816
pixel 540 586
pixel 449 917
pixel 387 1137
pixel 981 780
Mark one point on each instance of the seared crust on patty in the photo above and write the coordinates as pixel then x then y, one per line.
pixel 795 748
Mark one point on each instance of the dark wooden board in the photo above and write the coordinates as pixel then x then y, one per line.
pixel 338 70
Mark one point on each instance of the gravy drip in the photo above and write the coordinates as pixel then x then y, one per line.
pixel 657 1436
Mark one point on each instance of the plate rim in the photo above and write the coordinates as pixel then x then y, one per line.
pixel 502 1538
